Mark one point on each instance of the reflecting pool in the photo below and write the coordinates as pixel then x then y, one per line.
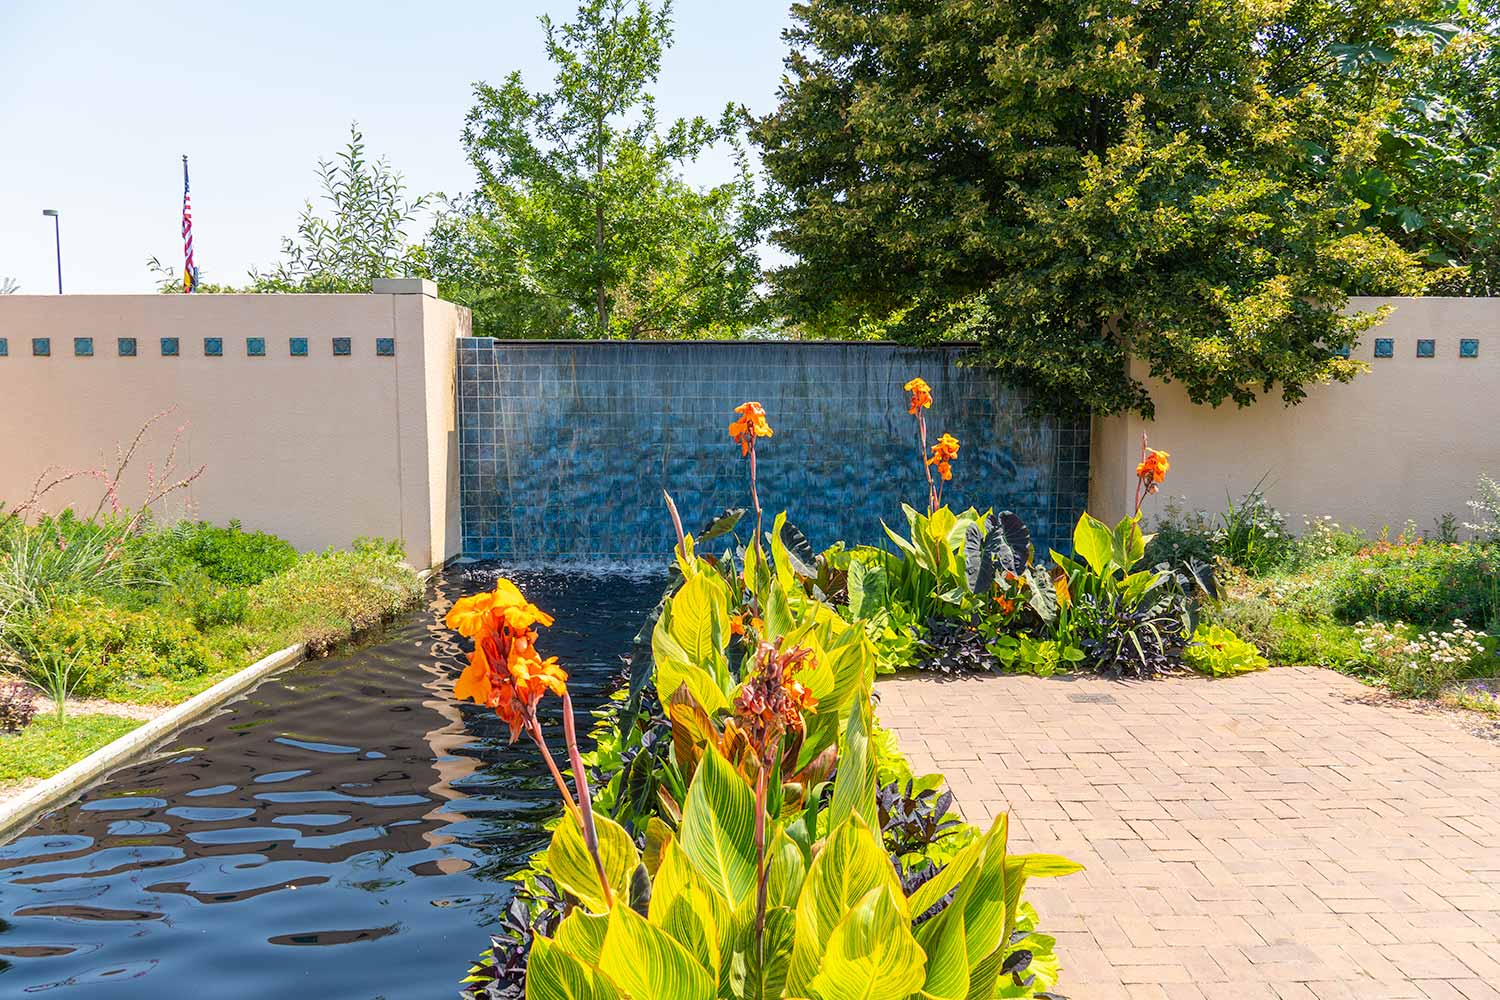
pixel 343 831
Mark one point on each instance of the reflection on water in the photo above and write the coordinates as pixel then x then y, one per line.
pixel 344 831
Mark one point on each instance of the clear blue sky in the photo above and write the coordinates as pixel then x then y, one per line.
pixel 102 97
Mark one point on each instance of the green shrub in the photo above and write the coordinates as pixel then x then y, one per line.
pixel 1416 583
pixel 321 599
pixel 229 555
pixel 114 648
pixel 1252 534
pixel 1218 652
pixel 1181 536
pixel 1324 643
pixel 1248 616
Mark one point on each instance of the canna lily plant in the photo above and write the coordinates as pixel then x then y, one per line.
pixel 941 454
pixel 744 905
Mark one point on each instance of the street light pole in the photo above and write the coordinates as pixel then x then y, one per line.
pixel 57 235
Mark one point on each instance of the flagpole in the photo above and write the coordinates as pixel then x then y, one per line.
pixel 189 269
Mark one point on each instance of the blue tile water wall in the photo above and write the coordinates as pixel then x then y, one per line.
pixel 565 447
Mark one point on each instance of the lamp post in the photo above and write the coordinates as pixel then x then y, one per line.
pixel 57 234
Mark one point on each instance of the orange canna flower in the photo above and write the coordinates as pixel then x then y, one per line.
pixel 1153 468
pixel 945 451
pixel 751 425
pixel 737 623
pixel 921 395
pixel 1007 606
pixel 504 671
pixel 479 613
pixel 534 677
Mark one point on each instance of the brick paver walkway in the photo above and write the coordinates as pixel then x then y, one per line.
pixel 1282 835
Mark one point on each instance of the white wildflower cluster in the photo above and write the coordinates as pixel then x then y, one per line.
pixel 1420 662
pixel 1320 537
pixel 1487 508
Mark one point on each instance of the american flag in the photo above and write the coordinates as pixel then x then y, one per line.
pixel 189 269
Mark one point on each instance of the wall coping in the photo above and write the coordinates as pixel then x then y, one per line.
pixel 711 342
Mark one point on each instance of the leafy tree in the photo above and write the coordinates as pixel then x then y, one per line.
pixel 1433 185
pixel 1072 182
pixel 363 238
pixel 581 225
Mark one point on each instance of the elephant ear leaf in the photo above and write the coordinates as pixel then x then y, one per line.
pixel 799 551
pixel 1202 575
pixel 979 563
pixel 721 525
pixel 1011 543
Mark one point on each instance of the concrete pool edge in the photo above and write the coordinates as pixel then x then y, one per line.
pixel 21 812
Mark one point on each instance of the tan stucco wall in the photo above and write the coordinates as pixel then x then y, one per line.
pixel 1406 440
pixel 318 449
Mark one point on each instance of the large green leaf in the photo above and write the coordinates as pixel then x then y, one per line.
pixel 851 864
pixel 572 867
pixel 871 954
pixel 553 974
pixel 868 588
pixel 718 829
pixel 703 686
pixel 1093 542
pixel 1128 544
pixel 645 961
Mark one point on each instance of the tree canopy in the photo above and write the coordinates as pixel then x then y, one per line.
pixel 1072 182
pixel 580 225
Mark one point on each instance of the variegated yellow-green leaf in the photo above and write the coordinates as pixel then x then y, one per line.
pixel 689 920
pixel 581 934
pixel 947 959
pixel 571 865
pixel 854 784
pixel 787 871
pixel 658 834
pixel 645 961
pixel 981 901
pixel 697 617
pixel 747 976
pixel 852 862
pixel 554 974
pixel 871 954
pixel 718 829
pixel 673 674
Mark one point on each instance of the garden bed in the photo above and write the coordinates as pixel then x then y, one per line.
pixel 118 620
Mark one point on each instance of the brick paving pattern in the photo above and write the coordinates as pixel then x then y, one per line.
pixel 1284 835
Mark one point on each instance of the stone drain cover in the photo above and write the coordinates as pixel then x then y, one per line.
pixel 1093 699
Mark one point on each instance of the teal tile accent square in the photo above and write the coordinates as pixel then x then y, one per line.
pixel 41 347
pixel 125 347
pixel 298 346
pixel 1385 347
pixel 169 347
pixel 255 347
pixel 1426 348
pixel 342 347
pixel 213 347
pixel 4 347
pixel 385 347
pixel 83 347
pixel 1468 347
pixel 1342 352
